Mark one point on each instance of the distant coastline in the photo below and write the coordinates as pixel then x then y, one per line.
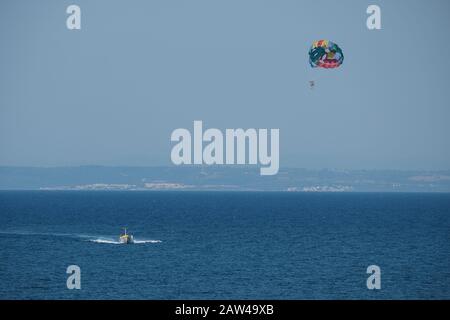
pixel 201 178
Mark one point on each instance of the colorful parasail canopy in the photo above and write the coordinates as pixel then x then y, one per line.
pixel 325 54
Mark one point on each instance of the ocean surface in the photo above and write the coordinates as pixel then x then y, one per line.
pixel 200 245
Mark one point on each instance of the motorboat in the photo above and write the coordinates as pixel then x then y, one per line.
pixel 126 238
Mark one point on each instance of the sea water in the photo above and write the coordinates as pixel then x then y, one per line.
pixel 241 245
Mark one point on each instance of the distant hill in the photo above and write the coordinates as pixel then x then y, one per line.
pixel 233 178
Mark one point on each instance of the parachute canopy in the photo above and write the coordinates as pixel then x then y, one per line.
pixel 325 54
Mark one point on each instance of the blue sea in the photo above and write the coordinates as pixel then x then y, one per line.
pixel 214 245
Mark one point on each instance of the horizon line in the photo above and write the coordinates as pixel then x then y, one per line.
pixel 198 166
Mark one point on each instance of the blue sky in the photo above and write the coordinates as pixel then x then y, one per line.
pixel 112 92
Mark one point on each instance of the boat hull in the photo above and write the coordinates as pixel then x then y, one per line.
pixel 126 239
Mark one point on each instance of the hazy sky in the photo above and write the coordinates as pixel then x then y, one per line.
pixel 112 92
